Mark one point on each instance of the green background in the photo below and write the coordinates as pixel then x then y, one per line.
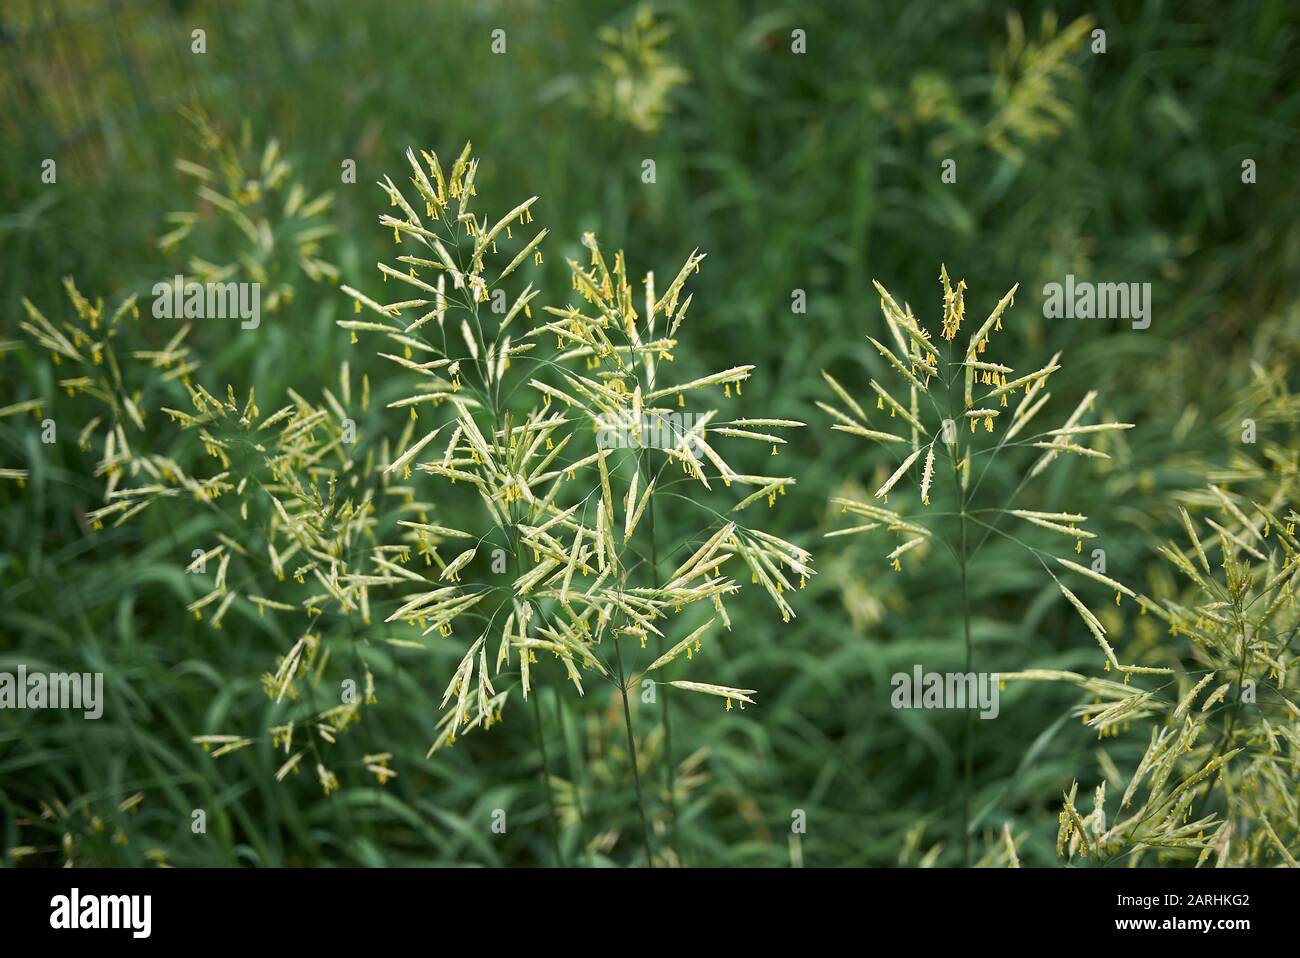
pixel 818 172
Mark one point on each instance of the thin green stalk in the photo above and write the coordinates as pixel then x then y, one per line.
pixel 546 779
pixel 967 775
pixel 1225 738
pixel 536 706
pixel 963 559
pixel 665 711
pixel 631 747
pixel 574 770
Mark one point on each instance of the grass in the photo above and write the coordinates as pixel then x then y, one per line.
pixel 812 172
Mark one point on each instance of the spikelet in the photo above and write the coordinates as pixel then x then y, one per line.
pixel 898 473
pixel 927 475
pixel 722 691
pixel 685 645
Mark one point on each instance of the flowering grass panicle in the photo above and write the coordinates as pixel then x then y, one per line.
pixel 102 366
pixel 560 559
pixel 1216 781
pixel 634 84
pixel 951 409
pixel 263 212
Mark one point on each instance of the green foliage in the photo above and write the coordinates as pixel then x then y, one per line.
pixel 813 172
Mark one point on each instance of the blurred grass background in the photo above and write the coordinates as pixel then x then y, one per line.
pixel 817 172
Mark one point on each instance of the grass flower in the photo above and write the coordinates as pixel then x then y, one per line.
pixel 939 385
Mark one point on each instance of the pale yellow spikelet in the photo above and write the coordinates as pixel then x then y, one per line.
pixel 898 473
pixel 1097 577
pixel 684 645
pixel 994 319
pixel 927 475
pixel 722 691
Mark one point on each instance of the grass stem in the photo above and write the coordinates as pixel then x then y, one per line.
pixel 631 748
pixel 546 780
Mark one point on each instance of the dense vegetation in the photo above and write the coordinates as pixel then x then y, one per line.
pixel 804 149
